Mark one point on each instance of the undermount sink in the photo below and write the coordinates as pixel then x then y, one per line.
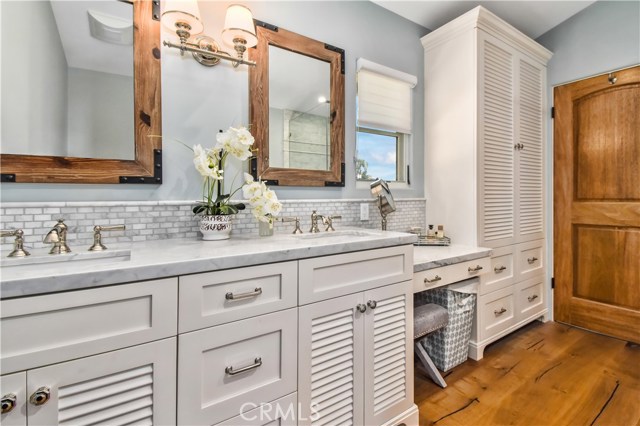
pixel 83 258
pixel 341 233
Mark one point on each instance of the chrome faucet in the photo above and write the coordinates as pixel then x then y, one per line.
pixel 314 222
pixel 58 237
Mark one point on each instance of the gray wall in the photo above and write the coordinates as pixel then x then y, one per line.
pixel 34 84
pixel 100 119
pixel 198 101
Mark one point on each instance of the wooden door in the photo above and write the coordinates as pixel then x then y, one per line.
pixel 388 353
pixel 597 204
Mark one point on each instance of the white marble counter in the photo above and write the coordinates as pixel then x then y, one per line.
pixel 429 257
pixel 167 258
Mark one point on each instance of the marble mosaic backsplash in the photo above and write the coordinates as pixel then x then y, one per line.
pixel 158 220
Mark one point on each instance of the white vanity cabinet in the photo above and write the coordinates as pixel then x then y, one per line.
pixel 355 357
pixel 257 345
pixel 82 358
pixel 485 103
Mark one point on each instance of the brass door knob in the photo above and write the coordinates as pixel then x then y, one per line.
pixel 8 402
pixel 372 304
pixel 40 396
pixel 361 308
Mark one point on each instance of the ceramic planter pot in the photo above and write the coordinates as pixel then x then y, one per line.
pixel 215 227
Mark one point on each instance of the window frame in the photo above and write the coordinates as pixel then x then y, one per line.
pixel 402 157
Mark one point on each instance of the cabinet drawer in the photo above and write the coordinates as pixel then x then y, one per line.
pixel 501 271
pixel 438 277
pixel 530 259
pixel 281 412
pixel 333 276
pixel 222 368
pixel 431 278
pixel 530 298
pixel 219 297
pixel 496 312
pixel 43 330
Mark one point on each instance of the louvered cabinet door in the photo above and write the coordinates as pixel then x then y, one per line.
pixel 388 353
pixel 129 386
pixel 529 155
pixel 330 368
pixel 496 128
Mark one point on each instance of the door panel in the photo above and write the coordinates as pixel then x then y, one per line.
pixel 388 354
pixel 597 204
pixel 330 366
pixel 14 386
pixel 133 385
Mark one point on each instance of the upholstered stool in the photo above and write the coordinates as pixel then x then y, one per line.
pixel 427 319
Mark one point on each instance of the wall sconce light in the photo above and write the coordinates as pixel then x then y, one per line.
pixel 183 17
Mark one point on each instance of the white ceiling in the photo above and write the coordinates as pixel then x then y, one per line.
pixel 82 50
pixel 533 18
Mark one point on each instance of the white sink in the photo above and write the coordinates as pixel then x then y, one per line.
pixel 342 233
pixel 84 258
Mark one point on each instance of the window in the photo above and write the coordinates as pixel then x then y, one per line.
pixel 384 111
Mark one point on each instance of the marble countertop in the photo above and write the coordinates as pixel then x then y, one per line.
pixel 166 258
pixel 429 257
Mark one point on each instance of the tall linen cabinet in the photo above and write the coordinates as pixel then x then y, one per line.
pixel 485 86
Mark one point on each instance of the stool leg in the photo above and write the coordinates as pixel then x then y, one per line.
pixel 429 365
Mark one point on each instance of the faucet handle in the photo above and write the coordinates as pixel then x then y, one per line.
pixel 18 244
pixel 297 229
pixel 328 220
pixel 97 236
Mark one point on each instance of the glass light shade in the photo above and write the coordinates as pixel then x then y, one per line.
pixel 239 24
pixel 182 11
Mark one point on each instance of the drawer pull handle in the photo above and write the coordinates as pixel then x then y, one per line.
pixel 256 363
pixel 231 296
pixel 532 298
pixel 361 308
pixel 435 279
pixel 8 402
pixel 499 269
pixel 500 312
pixel 476 269
pixel 40 396
pixel 531 259
pixel 372 304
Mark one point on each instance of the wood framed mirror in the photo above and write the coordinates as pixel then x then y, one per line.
pixel 296 109
pixel 144 164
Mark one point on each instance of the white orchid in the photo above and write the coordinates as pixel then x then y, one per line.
pixel 210 164
pixel 263 201
pixel 236 142
pixel 206 164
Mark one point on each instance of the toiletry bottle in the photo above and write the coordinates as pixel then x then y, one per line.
pixel 430 232
pixel 440 232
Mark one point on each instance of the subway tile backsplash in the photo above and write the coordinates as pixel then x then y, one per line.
pixel 158 220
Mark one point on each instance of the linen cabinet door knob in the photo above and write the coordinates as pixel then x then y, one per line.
pixel 361 308
pixel 372 304
pixel 40 396
pixel 8 402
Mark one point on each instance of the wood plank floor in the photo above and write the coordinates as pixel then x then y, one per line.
pixel 543 374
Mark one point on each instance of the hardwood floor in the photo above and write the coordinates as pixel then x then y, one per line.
pixel 543 374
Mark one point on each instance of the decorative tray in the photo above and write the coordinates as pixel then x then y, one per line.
pixel 423 240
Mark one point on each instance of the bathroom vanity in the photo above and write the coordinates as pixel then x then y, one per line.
pixel 297 329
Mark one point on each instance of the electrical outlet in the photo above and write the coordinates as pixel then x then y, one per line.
pixel 364 211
